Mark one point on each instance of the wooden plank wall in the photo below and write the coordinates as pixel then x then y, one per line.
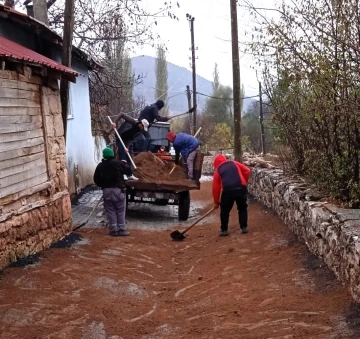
pixel 22 150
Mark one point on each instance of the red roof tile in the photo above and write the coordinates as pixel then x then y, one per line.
pixel 10 49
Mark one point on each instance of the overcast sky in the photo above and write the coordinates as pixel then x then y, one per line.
pixel 212 38
pixel 212 26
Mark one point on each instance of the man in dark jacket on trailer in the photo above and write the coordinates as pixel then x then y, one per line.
pixel 109 176
pixel 151 113
pixel 129 130
pixel 186 145
pixel 230 181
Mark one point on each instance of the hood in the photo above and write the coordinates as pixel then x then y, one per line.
pixel 171 136
pixel 220 159
pixel 159 104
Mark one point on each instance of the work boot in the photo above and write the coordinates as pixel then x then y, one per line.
pixel 123 233
pixel 224 233
pixel 133 177
pixel 113 234
pixel 244 230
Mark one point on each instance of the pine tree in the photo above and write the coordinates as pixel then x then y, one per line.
pixel 128 76
pixel 161 78
pixel 219 106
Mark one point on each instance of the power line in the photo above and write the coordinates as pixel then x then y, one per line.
pixel 175 95
pixel 210 96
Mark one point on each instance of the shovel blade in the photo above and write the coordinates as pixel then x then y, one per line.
pixel 177 236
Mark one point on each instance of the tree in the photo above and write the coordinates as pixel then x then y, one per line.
pixel 161 78
pixel 100 22
pixel 111 91
pixel 250 126
pixel 219 105
pixel 221 138
pixel 217 118
pixel 311 62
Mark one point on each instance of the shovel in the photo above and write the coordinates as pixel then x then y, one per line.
pixel 179 236
pixel 123 145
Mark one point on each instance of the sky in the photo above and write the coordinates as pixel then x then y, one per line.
pixel 212 29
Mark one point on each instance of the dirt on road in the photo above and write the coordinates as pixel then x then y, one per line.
pixel 264 284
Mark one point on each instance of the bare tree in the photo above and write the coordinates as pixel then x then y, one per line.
pixel 311 62
pixel 100 22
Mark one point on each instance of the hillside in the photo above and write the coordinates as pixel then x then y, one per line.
pixel 178 78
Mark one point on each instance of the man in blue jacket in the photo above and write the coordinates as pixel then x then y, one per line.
pixel 186 145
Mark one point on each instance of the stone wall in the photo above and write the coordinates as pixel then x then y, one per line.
pixel 34 218
pixel 248 160
pixel 208 167
pixel 330 232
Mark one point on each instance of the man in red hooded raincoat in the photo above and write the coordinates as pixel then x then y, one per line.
pixel 230 182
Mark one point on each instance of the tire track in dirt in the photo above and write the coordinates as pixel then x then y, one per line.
pixel 259 285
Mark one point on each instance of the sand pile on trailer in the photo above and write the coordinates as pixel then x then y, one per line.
pixel 152 169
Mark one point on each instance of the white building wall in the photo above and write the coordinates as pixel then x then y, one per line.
pixel 80 144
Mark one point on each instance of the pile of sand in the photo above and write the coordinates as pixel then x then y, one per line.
pixel 152 169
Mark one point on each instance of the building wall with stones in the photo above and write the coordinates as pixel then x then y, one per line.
pixel 331 233
pixel 35 208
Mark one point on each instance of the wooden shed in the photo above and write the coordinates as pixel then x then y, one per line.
pixel 35 207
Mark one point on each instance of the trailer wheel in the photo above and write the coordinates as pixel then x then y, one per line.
pixel 184 205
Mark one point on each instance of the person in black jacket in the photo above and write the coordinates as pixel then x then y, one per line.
pixel 151 113
pixel 109 176
pixel 129 130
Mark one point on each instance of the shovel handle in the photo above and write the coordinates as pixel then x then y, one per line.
pixel 172 170
pixel 122 143
pixel 192 109
pixel 178 115
pixel 197 221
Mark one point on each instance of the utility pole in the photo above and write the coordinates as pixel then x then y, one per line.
pixel 263 147
pixel 188 94
pixel 66 59
pixel 236 81
pixel 192 19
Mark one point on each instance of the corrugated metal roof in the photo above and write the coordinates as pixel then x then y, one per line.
pixel 10 49
pixel 26 20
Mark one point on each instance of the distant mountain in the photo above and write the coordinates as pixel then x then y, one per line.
pixel 178 78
